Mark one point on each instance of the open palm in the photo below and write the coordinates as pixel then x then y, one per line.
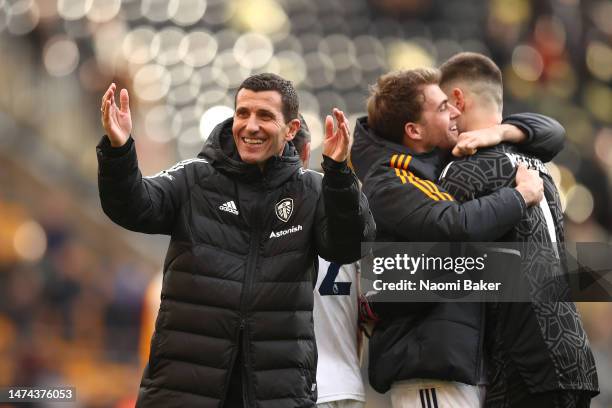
pixel 117 121
pixel 336 144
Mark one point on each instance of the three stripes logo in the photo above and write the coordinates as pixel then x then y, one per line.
pixel 428 398
pixel 230 207
pixel 400 164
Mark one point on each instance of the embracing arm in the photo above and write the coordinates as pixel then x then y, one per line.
pixel 545 136
pixel 412 209
pixel 534 134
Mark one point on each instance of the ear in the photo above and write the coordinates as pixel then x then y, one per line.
pixel 305 155
pixel 412 132
pixel 459 99
pixel 292 128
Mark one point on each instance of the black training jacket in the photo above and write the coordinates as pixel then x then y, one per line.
pixel 545 339
pixel 435 340
pixel 240 267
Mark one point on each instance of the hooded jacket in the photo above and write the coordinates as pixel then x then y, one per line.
pixel 240 267
pixel 441 341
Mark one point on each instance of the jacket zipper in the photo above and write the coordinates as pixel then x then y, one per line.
pixel 246 290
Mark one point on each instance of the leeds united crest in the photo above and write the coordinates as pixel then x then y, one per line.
pixel 284 209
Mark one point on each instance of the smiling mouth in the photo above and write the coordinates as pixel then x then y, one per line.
pixel 453 128
pixel 252 141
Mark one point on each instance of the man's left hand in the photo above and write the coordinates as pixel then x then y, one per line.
pixel 468 143
pixel 337 141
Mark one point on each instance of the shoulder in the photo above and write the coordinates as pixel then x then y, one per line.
pixel 311 179
pixel 191 168
pixel 389 184
pixel 485 162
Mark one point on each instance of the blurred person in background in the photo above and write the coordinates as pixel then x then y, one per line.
pixel 528 363
pixel 430 354
pixel 246 223
pixel 335 315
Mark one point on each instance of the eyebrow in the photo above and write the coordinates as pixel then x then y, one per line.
pixel 266 112
pixel 258 111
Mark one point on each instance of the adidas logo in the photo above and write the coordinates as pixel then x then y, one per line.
pixel 229 207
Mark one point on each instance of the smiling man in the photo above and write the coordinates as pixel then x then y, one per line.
pixel 529 365
pixel 430 355
pixel 246 222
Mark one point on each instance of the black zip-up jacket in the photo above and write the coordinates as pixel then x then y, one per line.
pixel 240 267
pixel 526 333
pixel 434 340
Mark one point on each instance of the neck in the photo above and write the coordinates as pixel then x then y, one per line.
pixel 481 118
pixel 417 147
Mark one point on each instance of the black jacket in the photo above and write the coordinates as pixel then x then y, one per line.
pixel 436 340
pixel 240 267
pixel 544 339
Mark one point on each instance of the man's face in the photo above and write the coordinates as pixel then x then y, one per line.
pixel 438 119
pixel 259 128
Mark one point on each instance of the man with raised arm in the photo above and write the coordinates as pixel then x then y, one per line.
pixel 246 224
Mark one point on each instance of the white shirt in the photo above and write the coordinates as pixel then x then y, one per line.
pixel 335 324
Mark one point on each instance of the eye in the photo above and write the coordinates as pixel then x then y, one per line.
pixel 443 107
pixel 266 116
pixel 242 114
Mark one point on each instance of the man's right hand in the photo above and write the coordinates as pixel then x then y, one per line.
pixel 529 185
pixel 117 121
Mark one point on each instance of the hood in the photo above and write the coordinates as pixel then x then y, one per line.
pixel 370 151
pixel 220 150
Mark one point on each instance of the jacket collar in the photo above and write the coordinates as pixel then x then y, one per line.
pixel 370 151
pixel 220 150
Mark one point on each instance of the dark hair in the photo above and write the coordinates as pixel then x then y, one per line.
pixel 474 69
pixel 273 82
pixel 397 98
pixel 302 136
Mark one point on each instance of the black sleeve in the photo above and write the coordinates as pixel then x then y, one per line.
pixel 418 210
pixel 137 203
pixel 343 215
pixel 545 136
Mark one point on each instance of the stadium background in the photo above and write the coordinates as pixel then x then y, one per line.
pixel 72 284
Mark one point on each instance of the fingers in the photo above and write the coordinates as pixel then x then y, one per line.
pixel 109 92
pixel 329 127
pixel 465 148
pixel 124 100
pixel 521 170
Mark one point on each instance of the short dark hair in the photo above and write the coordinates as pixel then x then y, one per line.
pixel 273 82
pixel 302 137
pixel 397 98
pixel 474 68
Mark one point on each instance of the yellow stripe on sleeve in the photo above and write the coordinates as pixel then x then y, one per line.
pixel 411 180
pixel 397 172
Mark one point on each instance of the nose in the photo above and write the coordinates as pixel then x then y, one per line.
pixel 454 112
pixel 252 125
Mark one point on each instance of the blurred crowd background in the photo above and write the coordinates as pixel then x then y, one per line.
pixel 72 284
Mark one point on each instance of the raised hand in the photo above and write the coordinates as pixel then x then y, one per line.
pixel 337 142
pixel 117 121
